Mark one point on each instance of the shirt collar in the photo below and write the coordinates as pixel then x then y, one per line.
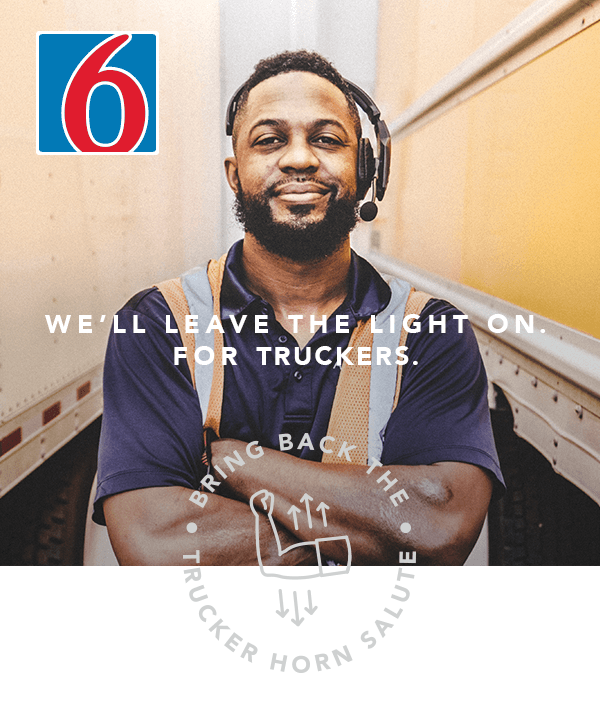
pixel 368 294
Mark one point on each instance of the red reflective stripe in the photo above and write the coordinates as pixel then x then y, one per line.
pixel 13 439
pixel 84 390
pixel 51 412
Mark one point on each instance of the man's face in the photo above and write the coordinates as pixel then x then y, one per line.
pixel 294 172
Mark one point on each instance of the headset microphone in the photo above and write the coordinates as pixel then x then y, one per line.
pixel 368 211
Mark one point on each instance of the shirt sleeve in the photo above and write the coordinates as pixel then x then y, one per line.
pixel 443 412
pixel 152 424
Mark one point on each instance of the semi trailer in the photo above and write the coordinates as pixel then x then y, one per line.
pixel 492 204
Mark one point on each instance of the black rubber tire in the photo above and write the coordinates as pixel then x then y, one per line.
pixel 543 519
pixel 42 520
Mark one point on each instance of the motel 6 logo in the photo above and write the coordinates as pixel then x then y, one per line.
pixel 97 93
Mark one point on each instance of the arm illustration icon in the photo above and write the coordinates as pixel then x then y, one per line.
pixel 267 500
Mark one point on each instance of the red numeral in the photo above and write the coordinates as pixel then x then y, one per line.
pixel 90 73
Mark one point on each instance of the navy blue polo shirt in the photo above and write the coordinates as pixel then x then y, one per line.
pixel 152 424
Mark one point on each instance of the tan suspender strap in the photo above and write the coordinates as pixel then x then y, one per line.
pixel 349 416
pixel 175 298
pixel 216 269
pixel 415 303
pixel 349 419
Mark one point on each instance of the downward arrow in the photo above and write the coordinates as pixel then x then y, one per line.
pixel 294 510
pixel 310 609
pixel 297 621
pixel 281 611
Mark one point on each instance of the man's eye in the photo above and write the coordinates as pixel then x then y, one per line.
pixel 268 141
pixel 331 140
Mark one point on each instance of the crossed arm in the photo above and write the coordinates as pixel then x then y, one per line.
pixel 446 506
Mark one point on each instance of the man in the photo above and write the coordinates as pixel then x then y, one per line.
pixel 294 174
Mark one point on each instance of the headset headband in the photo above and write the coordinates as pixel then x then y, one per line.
pixel 364 101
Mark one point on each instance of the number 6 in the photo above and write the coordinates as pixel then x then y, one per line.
pixel 89 74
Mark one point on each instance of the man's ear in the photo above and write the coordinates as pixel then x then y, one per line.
pixel 231 172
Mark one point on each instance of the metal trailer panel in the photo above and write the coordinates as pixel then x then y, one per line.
pixel 81 234
pixel 500 192
pixel 495 187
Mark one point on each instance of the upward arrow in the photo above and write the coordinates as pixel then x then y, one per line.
pixel 322 507
pixel 306 499
pixel 294 510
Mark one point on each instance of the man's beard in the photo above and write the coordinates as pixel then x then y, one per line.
pixel 300 240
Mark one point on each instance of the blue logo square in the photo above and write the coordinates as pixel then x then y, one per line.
pixel 97 92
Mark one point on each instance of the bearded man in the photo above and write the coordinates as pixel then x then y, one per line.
pixel 297 286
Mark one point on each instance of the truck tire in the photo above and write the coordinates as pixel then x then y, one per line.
pixel 543 519
pixel 44 517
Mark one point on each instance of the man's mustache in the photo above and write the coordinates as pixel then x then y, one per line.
pixel 273 190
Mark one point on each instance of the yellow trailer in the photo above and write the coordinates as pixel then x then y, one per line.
pixel 494 204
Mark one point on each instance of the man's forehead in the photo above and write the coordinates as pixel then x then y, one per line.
pixel 303 92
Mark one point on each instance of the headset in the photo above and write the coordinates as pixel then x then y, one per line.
pixel 371 171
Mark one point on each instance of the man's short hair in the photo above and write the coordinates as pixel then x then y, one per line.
pixel 298 61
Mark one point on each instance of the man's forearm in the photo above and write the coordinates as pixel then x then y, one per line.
pixel 446 504
pixel 150 526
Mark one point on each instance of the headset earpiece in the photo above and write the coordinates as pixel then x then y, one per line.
pixel 380 172
pixel 365 170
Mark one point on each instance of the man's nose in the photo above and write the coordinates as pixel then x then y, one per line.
pixel 298 156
